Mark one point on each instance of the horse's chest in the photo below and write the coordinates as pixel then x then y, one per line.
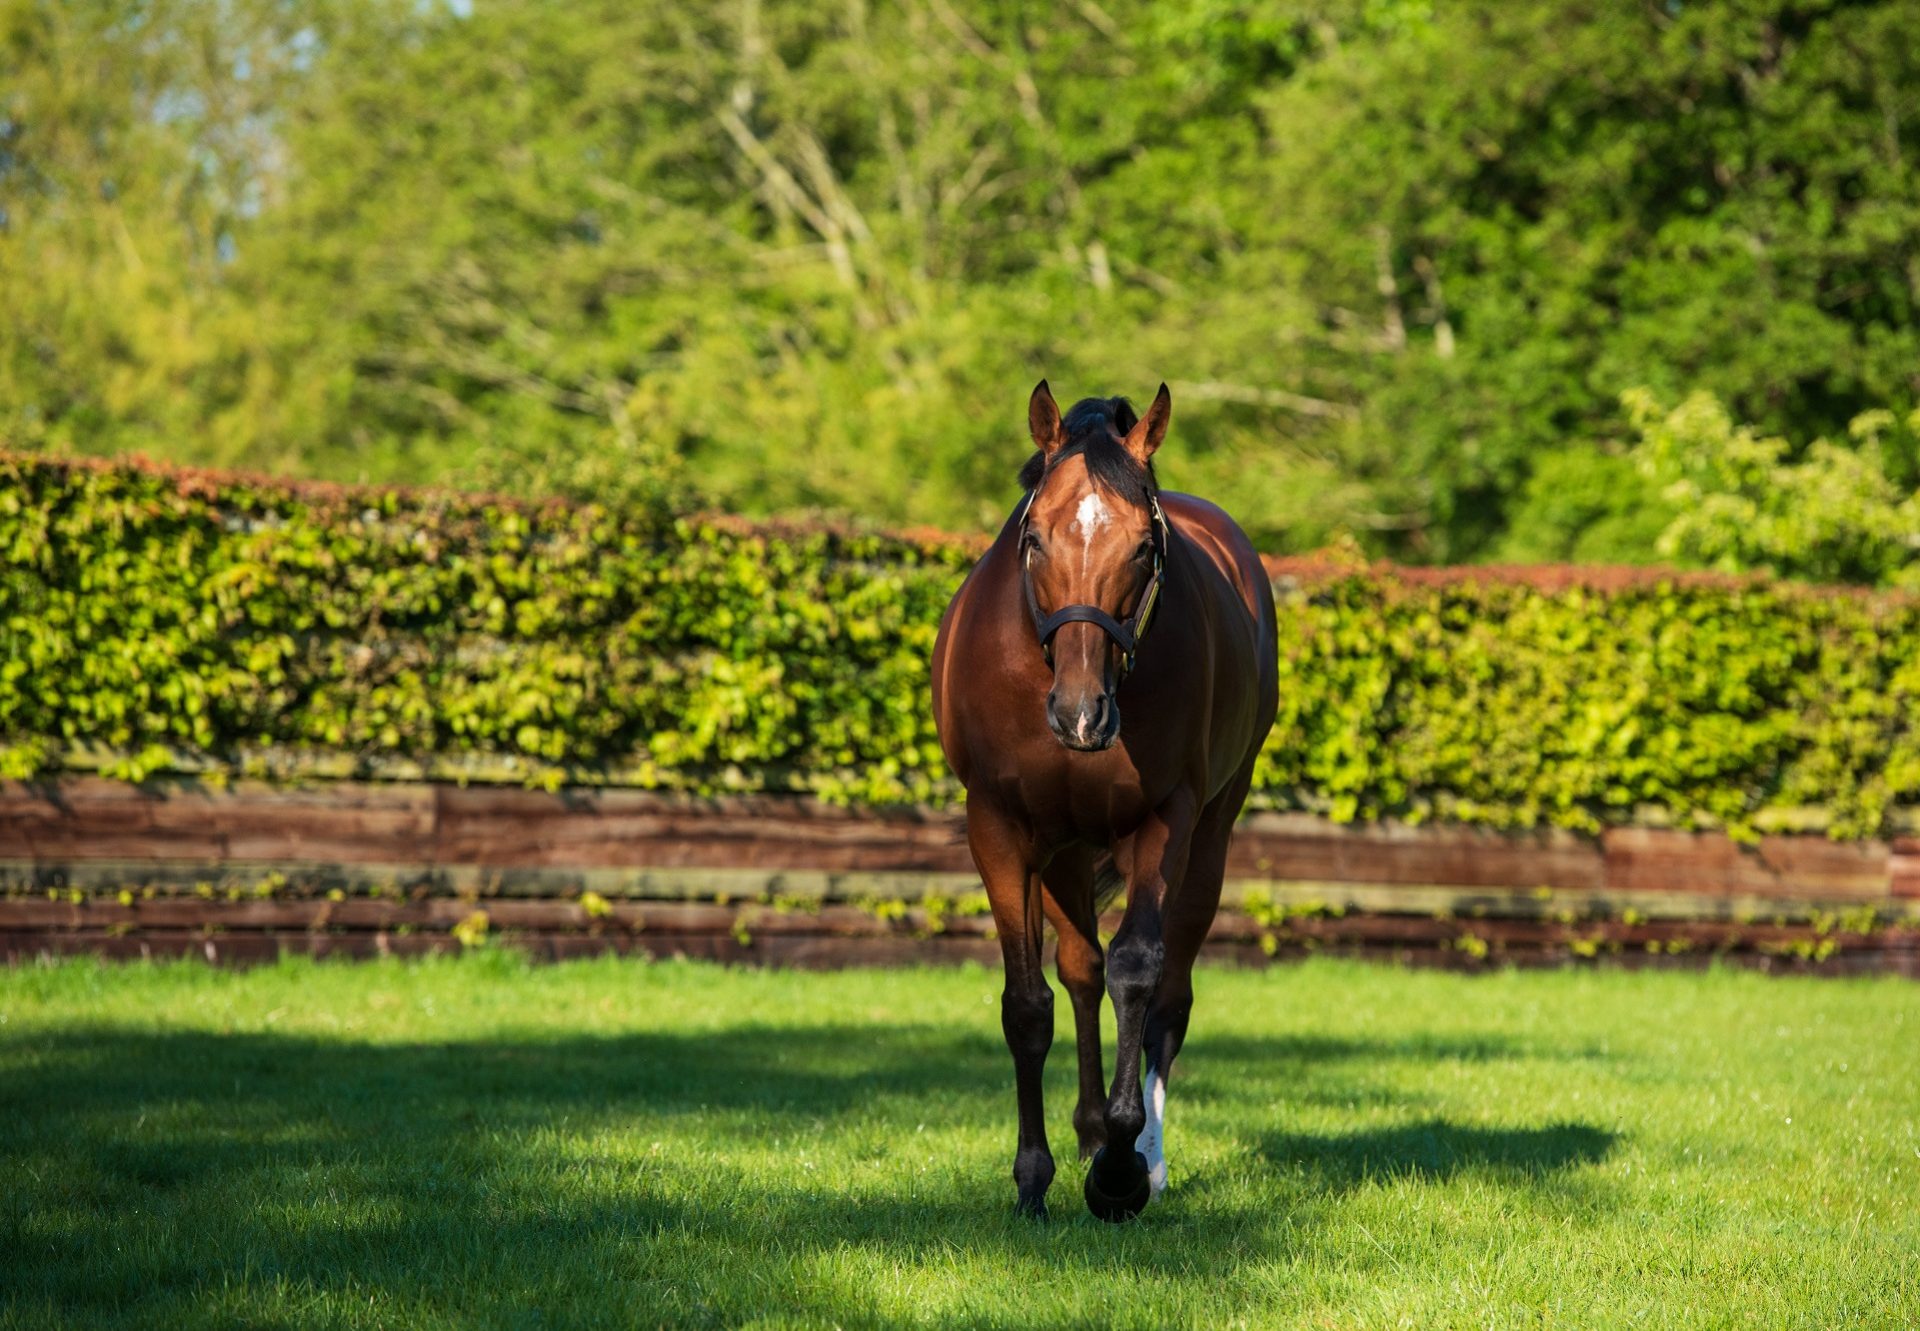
pixel 1093 798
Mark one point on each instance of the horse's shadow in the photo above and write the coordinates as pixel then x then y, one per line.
pixel 400 1168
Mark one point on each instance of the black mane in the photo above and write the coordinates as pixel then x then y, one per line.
pixel 1093 430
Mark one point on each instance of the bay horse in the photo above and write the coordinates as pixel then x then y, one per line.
pixel 1102 682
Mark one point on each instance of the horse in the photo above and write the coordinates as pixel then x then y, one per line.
pixel 1102 683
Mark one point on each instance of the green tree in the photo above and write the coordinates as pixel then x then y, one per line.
pixel 1741 500
pixel 134 146
pixel 1398 260
pixel 1518 211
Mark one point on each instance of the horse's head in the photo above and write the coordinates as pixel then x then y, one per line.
pixel 1092 545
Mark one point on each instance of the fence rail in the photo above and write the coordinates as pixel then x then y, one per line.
pixel 90 865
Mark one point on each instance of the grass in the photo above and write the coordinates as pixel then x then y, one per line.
pixel 480 1142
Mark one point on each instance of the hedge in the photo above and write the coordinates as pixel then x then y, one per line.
pixel 155 619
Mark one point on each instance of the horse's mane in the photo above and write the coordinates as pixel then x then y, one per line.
pixel 1093 430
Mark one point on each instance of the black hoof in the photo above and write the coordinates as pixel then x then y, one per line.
pixel 1031 1208
pixel 1131 1190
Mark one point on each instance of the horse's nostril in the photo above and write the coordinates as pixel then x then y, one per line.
pixel 1053 701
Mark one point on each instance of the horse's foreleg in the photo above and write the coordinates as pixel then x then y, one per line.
pixel 1083 972
pixel 1188 919
pixel 1001 854
pixel 1154 861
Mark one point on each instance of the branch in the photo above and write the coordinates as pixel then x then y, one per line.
pixel 776 175
pixel 1396 324
pixel 1102 20
pixel 1442 326
pixel 1210 390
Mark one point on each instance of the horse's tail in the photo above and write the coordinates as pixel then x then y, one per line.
pixel 1107 883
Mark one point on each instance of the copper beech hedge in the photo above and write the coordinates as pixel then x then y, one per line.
pixel 154 619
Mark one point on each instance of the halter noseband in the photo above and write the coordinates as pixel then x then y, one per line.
pixel 1126 636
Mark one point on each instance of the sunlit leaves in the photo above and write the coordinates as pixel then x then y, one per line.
pixel 583 644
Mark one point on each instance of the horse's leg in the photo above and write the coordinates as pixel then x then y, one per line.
pixel 1189 917
pixel 1154 861
pixel 1083 971
pixel 1001 854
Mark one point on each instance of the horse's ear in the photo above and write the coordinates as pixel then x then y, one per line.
pixel 1043 419
pixel 1143 440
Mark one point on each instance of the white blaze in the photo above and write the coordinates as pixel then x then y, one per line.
pixel 1151 1141
pixel 1089 518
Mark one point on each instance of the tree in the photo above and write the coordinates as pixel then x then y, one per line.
pixel 1740 502
pixel 1398 260
pixel 1521 210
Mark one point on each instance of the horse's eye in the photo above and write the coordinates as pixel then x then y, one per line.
pixel 1030 544
pixel 1145 553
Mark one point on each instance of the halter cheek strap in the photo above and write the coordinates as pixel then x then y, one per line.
pixel 1125 636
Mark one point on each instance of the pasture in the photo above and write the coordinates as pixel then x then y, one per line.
pixel 478 1141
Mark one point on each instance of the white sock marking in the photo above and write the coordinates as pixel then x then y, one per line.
pixel 1151 1142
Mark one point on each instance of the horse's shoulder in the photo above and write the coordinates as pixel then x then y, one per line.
pixel 1228 547
pixel 1192 514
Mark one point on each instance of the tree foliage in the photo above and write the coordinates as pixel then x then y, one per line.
pixel 1739 500
pixel 1398 259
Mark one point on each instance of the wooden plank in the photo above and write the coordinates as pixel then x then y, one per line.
pixel 1511 933
pixel 1442 899
pixel 442 911
pixel 707 883
pixel 86 817
pixel 186 877
pixel 40 914
pixel 1903 867
pixel 1303 846
pixel 603 828
pixel 25 881
pixel 1709 863
pixel 90 818
pixel 1417 943
pixel 159 919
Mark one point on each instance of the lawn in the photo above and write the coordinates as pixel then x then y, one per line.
pixel 480 1142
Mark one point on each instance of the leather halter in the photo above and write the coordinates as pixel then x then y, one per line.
pixel 1126 636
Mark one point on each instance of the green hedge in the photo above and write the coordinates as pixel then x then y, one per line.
pixel 163 615
pixel 174 619
pixel 1519 699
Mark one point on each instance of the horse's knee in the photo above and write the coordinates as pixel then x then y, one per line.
pixel 1133 968
pixel 1088 985
pixel 1027 1021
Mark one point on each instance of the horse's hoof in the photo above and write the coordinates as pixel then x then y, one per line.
pixel 1031 1208
pixel 1131 1197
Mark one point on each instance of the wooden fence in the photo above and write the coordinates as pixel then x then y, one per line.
pixel 89 865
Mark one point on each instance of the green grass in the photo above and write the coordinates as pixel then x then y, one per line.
pixel 479 1142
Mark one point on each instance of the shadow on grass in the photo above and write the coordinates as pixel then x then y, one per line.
pixel 1437 1149
pixel 150 1174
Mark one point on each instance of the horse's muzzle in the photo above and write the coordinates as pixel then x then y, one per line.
pixel 1090 725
